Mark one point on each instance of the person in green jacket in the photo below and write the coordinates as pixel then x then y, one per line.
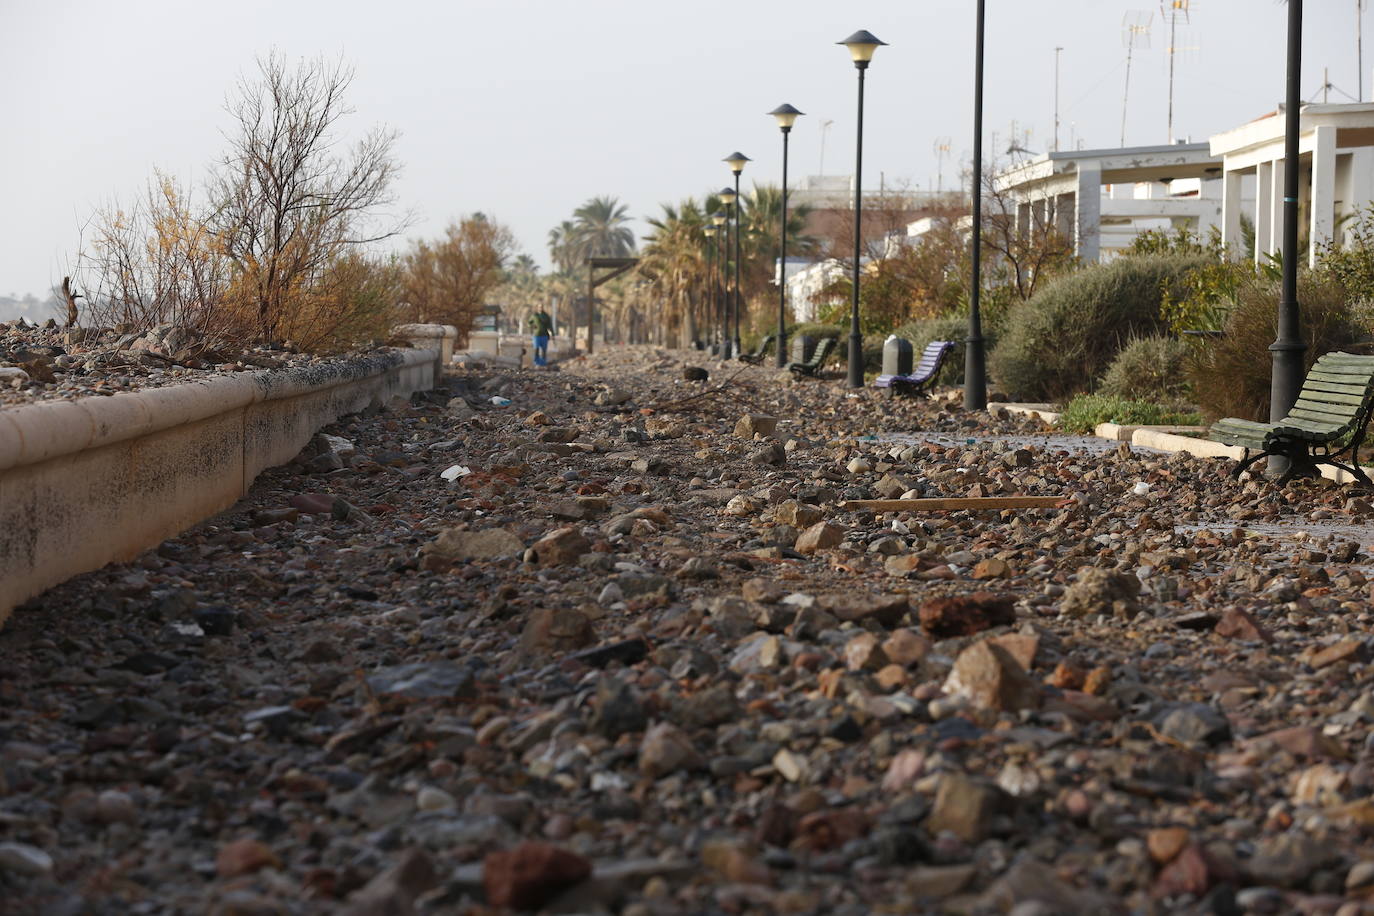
pixel 541 325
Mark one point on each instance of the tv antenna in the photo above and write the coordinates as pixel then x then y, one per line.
pixel 1171 11
pixel 1057 52
pixel 1324 90
pixel 941 150
pixel 1136 26
pixel 825 128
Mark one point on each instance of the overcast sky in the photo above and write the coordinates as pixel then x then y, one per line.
pixel 525 108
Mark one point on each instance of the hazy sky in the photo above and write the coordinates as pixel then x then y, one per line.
pixel 526 108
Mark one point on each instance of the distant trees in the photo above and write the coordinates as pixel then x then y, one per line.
pixel 447 280
pixel 277 246
pixel 599 229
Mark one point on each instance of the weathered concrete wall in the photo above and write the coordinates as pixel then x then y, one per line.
pixel 101 479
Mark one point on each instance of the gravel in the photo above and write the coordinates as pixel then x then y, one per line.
pixel 642 698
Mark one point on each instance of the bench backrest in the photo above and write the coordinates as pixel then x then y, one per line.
pixel 1336 398
pixel 822 351
pixel 931 358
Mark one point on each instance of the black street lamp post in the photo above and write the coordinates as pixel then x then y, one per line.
pixel 975 364
pixel 736 162
pixel 718 220
pixel 786 116
pixel 709 230
pixel 729 197
pixel 861 46
pixel 1288 348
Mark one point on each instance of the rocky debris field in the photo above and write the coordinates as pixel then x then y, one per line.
pixel 600 640
pixel 47 362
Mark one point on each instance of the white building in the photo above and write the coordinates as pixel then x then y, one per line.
pixel 1336 180
pixel 805 284
pixel 1104 198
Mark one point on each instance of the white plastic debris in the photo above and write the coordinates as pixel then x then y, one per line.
pixel 499 401
pixel 453 472
pixel 900 527
pixel 1141 488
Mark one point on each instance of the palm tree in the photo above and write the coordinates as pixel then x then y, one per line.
pixel 674 262
pixel 603 230
pixel 564 244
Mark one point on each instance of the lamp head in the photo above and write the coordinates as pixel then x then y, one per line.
pixel 786 116
pixel 718 218
pixel 726 195
pixel 709 230
pixel 736 162
pixel 861 46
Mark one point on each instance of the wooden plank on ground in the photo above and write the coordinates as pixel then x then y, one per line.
pixel 953 503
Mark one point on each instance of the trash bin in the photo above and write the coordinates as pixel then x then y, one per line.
pixel 896 356
pixel 897 360
pixel 803 345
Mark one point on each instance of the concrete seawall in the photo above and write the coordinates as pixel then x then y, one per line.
pixel 101 479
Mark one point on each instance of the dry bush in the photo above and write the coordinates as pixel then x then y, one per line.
pixel 447 280
pixel 154 262
pixel 1231 374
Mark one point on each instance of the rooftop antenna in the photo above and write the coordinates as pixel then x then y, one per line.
pixel 941 150
pixel 1325 88
pixel 1171 11
pixel 825 128
pixel 1057 52
pixel 1359 50
pixel 1136 26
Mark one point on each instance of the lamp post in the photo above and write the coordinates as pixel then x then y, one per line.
pixel 861 46
pixel 736 162
pixel 1288 348
pixel 727 197
pixel 975 363
pixel 709 231
pixel 786 116
pixel 719 220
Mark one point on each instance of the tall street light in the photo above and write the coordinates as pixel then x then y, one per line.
pixel 975 363
pixel 728 197
pixel 861 46
pixel 718 220
pixel 736 162
pixel 709 231
pixel 1288 348
pixel 786 116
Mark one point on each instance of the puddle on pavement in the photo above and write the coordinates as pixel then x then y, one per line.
pixel 1050 444
pixel 1302 531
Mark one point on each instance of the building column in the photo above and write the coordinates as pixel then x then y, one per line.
pixel 1275 240
pixel 1087 217
pixel 1322 227
pixel 1264 211
pixel 1230 213
pixel 1361 181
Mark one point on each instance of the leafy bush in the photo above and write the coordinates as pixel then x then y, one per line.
pixel 1352 266
pixel 1231 375
pixel 1067 334
pixel 1086 411
pixel 1148 369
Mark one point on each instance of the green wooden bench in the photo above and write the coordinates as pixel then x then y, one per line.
pixel 1326 425
pixel 757 356
pixel 813 365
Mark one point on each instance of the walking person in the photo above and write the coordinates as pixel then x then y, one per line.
pixel 541 325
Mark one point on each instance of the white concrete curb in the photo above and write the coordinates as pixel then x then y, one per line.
pixel 100 479
pixel 1206 448
pixel 1045 412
